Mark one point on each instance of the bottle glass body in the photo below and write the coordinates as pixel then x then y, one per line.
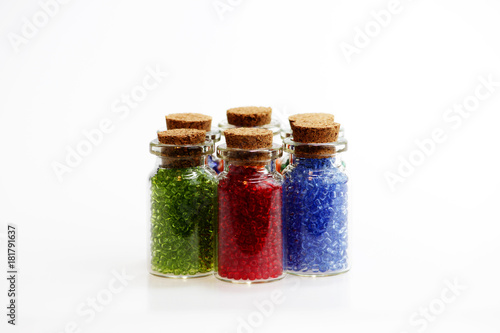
pixel 250 238
pixel 213 161
pixel 183 211
pixel 315 209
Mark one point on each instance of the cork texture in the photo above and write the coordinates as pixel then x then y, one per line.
pixel 248 138
pixel 181 157
pixel 182 136
pixel 315 132
pixel 249 116
pixel 189 120
pixel 321 117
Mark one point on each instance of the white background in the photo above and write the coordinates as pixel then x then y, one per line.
pixel 440 224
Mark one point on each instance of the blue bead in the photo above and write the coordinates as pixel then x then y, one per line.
pixel 315 217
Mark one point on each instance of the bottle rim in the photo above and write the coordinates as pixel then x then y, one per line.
pixel 262 154
pixel 340 146
pixel 157 148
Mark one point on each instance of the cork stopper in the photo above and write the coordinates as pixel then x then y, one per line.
pixel 248 138
pixel 315 131
pixel 249 116
pixel 321 117
pixel 181 157
pixel 307 131
pixel 189 120
pixel 182 136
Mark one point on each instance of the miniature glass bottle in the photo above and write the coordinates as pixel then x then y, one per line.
pixel 315 210
pixel 183 209
pixel 250 239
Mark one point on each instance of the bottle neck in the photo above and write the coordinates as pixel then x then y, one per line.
pixel 181 162
pixel 249 167
pixel 314 163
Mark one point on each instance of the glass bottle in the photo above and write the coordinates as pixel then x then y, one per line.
pixel 183 211
pixel 213 161
pixel 250 239
pixel 315 210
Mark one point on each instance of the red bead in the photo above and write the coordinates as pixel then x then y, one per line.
pixel 250 233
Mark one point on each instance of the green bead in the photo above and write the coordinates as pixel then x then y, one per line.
pixel 183 221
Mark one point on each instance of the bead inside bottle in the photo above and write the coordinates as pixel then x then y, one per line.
pixel 183 206
pixel 315 211
pixel 250 239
